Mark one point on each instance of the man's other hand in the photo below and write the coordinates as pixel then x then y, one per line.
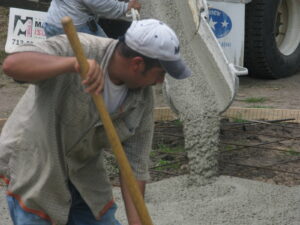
pixel 134 4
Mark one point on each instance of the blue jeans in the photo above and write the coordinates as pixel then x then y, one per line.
pixel 51 30
pixel 80 214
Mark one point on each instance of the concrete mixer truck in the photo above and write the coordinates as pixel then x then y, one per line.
pixel 260 35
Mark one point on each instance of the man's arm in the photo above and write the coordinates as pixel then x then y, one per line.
pixel 133 218
pixel 111 8
pixel 33 67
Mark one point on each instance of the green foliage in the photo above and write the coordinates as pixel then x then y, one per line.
pixel 229 147
pixel 167 149
pixel 167 157
pixel 165 164
pixel 177 122
pixel 260 107
pixel 293 152
pixel 239 120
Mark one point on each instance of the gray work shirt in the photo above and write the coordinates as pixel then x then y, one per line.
pixel 81 10
pixel 55 134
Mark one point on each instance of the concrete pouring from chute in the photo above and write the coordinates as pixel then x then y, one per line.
pixel 200 99
pixel 206 59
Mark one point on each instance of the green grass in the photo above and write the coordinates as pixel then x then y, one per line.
pixel 165 164
pixel 166 149
pixel 293 152
pixel 239 120
pixel 177 122
pixel 229 147
pixel 255 100
pixel 260 107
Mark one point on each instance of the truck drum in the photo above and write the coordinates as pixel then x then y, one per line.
pixel 272 48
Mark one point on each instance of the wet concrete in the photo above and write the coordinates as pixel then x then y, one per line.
pixel 226 201
pixel 4 214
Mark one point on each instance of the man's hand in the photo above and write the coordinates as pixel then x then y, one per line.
pixel 134 4
pixel 94 81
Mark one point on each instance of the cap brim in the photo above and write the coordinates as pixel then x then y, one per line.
pixel 177 69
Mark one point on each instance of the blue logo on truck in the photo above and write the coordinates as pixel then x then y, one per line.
pixel 219 22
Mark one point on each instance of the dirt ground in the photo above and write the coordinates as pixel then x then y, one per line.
pixel 266 152
pixel 278 94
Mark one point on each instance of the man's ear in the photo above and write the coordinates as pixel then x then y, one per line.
pixel 137 64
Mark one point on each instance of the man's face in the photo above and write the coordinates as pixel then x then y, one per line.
pixel 143 79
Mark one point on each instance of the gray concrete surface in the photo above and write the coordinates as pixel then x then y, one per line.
pixel 4 214
pixel 226 201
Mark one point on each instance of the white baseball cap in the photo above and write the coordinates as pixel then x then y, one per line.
pixel 154 39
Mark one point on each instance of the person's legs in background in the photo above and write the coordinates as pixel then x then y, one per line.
pixel 51 30
pixel 93 29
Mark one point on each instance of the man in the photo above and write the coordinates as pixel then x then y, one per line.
pixel 51 147
pixel 84 14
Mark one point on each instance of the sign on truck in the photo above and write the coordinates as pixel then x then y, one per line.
pixel 25 26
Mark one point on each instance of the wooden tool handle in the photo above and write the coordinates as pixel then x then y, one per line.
pixel 112 135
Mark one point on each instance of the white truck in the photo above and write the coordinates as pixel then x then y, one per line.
pixel 261 35
pixel 270 46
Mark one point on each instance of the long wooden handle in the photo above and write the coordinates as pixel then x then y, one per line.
pixel 112 135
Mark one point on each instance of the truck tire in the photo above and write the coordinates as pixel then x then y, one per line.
pixel 272 48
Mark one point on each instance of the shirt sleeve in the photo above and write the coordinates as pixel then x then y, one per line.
pixel 57 45
pixel 60 46
pixel 138 147
pixel 107 8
